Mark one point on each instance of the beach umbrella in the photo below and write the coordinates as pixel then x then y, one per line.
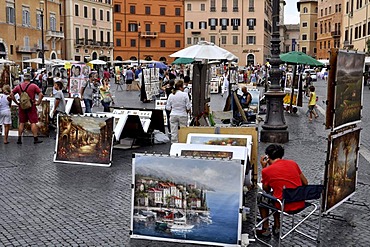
pixel 297 57
pixel 183 60
pixel 204 50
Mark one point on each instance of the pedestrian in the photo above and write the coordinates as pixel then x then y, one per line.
pixel 168 88
pixel 130 76
pixel 106 74
pixel 179 104
pixel 312 104
pixel 106 95
pixel 5 115
pixel 87 90
pixel 278 173
pixel 30 114
pixel 59 102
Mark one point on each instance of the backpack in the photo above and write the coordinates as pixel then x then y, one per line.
pixel 25 100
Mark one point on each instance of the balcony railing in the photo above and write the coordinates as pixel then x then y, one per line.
pixel 148 34
pixel 23 49
pixel 213 9
pixel 79 42
pixel 54 34
pixel 224 9
pixel 37 47
pixel 335 34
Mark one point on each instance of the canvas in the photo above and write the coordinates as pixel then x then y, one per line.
pixel 348 88
pixel 341 168
pixel 84 140
pixel 186 200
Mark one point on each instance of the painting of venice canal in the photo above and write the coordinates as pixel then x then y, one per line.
pixel 186 199
pixel 84 140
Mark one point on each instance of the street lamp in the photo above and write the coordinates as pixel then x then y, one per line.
pixel 138 44
pixel 42 33
pixel 274 128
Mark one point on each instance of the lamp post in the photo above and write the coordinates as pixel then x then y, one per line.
pixel 274 128
pixel 138 44
pixel 42 33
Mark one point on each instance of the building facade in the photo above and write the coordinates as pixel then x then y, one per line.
pixel 329 19
pixel 88 30
pixel 356 25
pixel 22 26
pixel 308 10
pixel 241 27
pixel 292 35
pixel 150 30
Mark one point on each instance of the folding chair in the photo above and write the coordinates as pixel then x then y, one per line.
pixel 302 193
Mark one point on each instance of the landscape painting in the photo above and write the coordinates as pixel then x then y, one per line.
pixel 84 140
pixel 348 89
pixel 188 200
pixel 341 170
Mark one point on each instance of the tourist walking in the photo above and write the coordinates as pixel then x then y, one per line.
pixel 130 76
pixel 106 95
pixel 5 115
pixel 27 114
pixel 59 102
pixel 179 104
pixel 87 92
pixel 312 104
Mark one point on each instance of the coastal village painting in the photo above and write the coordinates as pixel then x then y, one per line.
pixel 186 199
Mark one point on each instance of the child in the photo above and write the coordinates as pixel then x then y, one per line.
pixel 312 103
pixel 59 102
pixel 5 116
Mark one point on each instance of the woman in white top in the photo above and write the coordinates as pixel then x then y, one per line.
pixel 179 104
pixel 5 116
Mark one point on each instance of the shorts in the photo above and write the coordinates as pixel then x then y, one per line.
pixel 129 81
pixel 28 115
pixel 5 118
pixel 311 107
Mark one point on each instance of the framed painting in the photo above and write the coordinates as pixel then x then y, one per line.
pixel 85 140
pixel 173 200
pixel 348 88
pixel 341 168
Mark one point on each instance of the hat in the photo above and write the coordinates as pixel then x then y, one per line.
pixel 27 76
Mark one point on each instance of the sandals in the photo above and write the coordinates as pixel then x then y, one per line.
pixel 263 233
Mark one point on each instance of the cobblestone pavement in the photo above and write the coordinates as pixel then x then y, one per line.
pixel 49 204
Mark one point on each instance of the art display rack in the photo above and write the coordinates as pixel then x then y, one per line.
pixel 151 82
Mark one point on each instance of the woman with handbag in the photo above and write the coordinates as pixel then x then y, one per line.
pixel 106 95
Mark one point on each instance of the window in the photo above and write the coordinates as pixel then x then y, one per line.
pixel 202 25
pixel 188 41
pixel 118 26
pixel 326 11
pixel 235 40
pixel 321 12
pixel 177 28
pixel 304 24
pixel 224 23
pixel 117 8
pixel 147 10
pixel 147 27
pixel 177 43
pixel 108 37
pixel 329 10
pixel 235 23
pixel 108 16
pixel 38 21
pixel 53 23
pixel 177 11
pixel 251 40
pixel 304 49
pixel 162 11
pixel 212 38
pixel 329 44
pixel 189 25
pixel 132 27
pixel 85 12
pixel 163 28
pixel 26 21
pixel 202 7
pixel 315 24
pixel 188 7
pixel 315 36
pixel 101 14
pixel 320 45
pixel 212 23
pixel 118 42
pixel 163 43
pixel 251 23
pixel 213 6
pixel 10 14
pixel 132 9
pixel 251 6
pixel 101 36
pixel 305 10
pixel 304 36
pixel 77 11
pixel 94 35
pixel 26 41
pixel 147 43
pixel 86 34
pixel 235 5
pixel 77 33
pixel 223 39
pixel 224 6
pixel 133 42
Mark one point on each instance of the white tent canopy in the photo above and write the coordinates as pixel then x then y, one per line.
pixel 38 61
pixel 2 61
pixel 98 62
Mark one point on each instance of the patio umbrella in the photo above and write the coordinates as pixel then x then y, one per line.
pixel 2 60
pixel 183 60
pixel 297 57
pixel 38 61
pixel 204 50
pixel 98 62
pixel 158 65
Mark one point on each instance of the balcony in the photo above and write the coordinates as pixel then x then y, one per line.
pixel 23 49
pixel 213 9
pixel 54 34
pixel 37 47
pixel 235 9
pixel 148 34
pixel 79 42
pixel 335 34
pixel 224 9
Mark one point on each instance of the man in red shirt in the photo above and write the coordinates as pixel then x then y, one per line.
pixel 106 74
pixel 278 173
pixel 29 114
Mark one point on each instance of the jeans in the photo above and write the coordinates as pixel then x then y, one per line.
pixel 176 123
pixel 105 106
pixel 88 104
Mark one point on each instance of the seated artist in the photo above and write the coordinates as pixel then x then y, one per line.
pixel 277 173
pixel 245 99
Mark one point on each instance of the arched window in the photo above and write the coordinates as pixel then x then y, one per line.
pixel 305 10
pixel 162 59
pixel 119 58
pixel 133 58
pixel 250 59
pixel 94 55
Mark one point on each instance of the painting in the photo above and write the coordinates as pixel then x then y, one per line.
pixel 288 80
pixel 348 88
pixel 84 140
pixel 188 200
pixel 288 95
pixel 341 168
